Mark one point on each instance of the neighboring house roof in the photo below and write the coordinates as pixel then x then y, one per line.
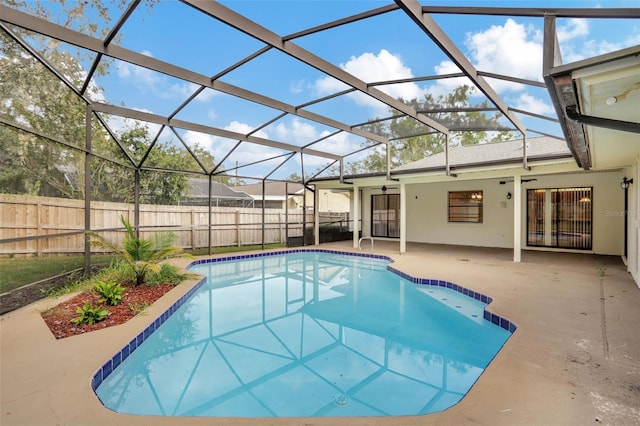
pixel 199 188
pixel 273 190
pixel 537 148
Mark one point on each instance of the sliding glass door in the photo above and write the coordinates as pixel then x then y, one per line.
pixel 385 215
pixel 560 217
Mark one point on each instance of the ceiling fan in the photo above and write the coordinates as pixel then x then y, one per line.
pixel 502 182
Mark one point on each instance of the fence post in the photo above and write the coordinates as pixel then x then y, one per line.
pixel 238 227
pixel 38 228
pixel 193 229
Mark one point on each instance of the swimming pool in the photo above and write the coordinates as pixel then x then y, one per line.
pixel 306 333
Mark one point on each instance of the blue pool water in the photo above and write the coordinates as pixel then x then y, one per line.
pixel 306 333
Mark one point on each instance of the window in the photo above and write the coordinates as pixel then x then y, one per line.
pixel 559 217
pixel 385 215
pixel 465 206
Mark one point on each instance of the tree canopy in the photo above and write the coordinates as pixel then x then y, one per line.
pixel 412 140
pixel 34 98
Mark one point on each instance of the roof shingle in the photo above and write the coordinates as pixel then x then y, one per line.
pixel 537 148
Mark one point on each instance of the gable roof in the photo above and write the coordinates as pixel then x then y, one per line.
pixel 540 148
pixel 200 188
pixel 271 188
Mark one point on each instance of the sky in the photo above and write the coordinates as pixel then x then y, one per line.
pixel 381 48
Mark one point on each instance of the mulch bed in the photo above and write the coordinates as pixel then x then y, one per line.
pixel 59 319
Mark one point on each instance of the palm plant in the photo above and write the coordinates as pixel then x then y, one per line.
pixel 140 254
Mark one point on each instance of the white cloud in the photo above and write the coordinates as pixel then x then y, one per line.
pixel 574 28
pixel 446 67
pixel 248 153
pixel 300 133
pixel 578 41
pixel 633 39
pixel 245 129
pixel 532 104
pixel 139 75
pixel 202 139
pixel 296 86
pixel 568 32
pixel 179 90
pixel 340 143
pixel 369 68
pixel 511 49
pixel 124 70
pixel 590 48
pixel 328 85
pixel 159 84
pixel 220 147
pixel 446 85
pixel 384 66
pixel 297 132
pixel 205 95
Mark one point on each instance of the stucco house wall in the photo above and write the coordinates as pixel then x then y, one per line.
pixel 427 211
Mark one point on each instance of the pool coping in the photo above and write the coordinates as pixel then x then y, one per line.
pixel 545 374
pixel 110 365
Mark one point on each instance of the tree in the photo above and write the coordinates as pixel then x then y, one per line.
pixel 32 96
pixel 294 177
pixel 35 98
pixel 412 140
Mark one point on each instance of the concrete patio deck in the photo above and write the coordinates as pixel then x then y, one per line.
pixel 574 359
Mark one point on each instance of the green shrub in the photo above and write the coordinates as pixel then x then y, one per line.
pixel 142 256
pixel 90 314
pixel 167 274
pixel 110 292
pixel 117 271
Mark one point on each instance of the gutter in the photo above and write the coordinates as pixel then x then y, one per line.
pixel 549 157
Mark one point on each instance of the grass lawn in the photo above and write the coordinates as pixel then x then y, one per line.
pixel 19 271
pixel 232 249
pixel 16 272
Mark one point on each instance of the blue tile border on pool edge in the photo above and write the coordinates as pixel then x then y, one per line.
pixel 108 367
pixel 489 316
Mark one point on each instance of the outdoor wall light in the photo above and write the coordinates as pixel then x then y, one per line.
pixel 626 182
pixel 384 189
pixel 508 195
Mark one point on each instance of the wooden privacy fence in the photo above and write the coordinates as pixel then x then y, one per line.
pixel 57 225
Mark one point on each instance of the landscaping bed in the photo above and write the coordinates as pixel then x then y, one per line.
pixel 60 318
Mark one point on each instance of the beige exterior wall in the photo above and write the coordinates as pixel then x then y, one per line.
pixel 427 215
pixel 328 201
pixel 338 202
pixel 633 231
pixel 427 211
